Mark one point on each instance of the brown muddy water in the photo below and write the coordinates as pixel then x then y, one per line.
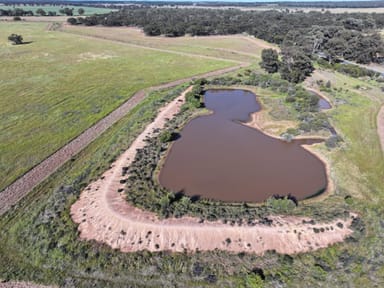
pixel 217 157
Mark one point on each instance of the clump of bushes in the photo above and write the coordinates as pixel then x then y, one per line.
pixel 333 141
pixel 350 69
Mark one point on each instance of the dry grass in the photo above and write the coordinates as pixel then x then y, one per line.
pixel 234 47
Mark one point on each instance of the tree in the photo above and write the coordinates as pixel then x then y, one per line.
pixel 80 11
pixel 41 12
pixel 67 11
pixel 16 39
pixel 296 66
pixel 270 60
pixel 72 21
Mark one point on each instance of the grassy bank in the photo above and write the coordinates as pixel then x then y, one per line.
pixel 57 86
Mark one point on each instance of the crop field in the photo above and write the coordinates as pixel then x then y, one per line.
pixel 58 85
pixel 56 8
pixel 236 47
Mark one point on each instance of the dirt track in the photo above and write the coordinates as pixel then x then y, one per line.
pixel 18 189
pixel 105 216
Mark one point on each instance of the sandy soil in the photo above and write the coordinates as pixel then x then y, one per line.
pixel 380 126
pixel 103 215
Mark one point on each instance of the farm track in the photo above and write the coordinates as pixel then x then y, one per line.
pixel 23 185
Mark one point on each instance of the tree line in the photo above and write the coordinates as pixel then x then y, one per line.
pixel 349 36
pixel 39 12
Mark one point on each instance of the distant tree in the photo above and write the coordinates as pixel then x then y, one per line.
pixel 72 21
pixel 152 30
pixel 67 11
pixel 296 66
pixel 270 60
pixel 80 11
pixel 16 39
pixel 41 12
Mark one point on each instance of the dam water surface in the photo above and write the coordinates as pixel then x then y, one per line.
pixel 218 157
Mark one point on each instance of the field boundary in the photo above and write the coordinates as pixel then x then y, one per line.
pixel 85 35
pixel 14 192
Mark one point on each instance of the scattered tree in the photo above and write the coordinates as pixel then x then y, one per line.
pixel 67 11
pixel 72 21
pixel 296 66
pixel 81 11
pixel 16 39
pixel 41 12
pixel 270 60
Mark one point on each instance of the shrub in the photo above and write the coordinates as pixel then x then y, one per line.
pixel 165 136
pixel 16 39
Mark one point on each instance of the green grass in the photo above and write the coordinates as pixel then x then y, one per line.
pixel 38 241
pixel 60 84
pixel 234 47
pixel 55 8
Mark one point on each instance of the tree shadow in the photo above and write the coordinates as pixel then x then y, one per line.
pixel 175 136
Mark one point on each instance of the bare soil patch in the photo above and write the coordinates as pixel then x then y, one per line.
pixel 105 216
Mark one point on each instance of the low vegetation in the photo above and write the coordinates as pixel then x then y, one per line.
pixel 15 39
pixel 39 242
pixel 352 37
pixel 50 92
pixel 144 191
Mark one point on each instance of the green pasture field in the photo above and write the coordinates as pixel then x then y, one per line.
pixel 236 47
pixel 55 8
pixel 60 84
pixel 38 241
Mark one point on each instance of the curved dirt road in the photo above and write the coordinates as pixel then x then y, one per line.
pixel 105 216
pixel 18 189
